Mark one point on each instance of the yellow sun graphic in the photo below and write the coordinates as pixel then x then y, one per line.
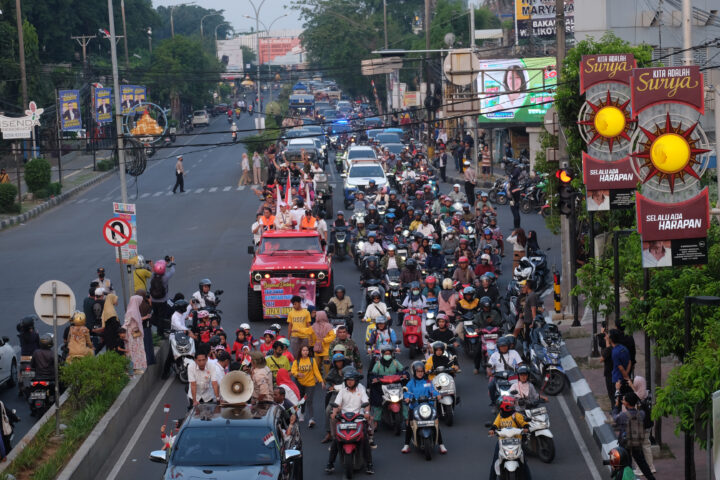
pixel 669 153
pixel 609 121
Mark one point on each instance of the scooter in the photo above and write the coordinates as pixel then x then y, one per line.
pixel 510 454
pixel 40 395
pixel 546 359
pixel 392 396
pixel 431 310
pixel 173 134
pixel 498 193
pixel 394 293
pixel 444 383
pixel 234 137
pixel 424 425
pixel 349 434
pixel 411 331
pixel 540 440
pixel 183 352
pixel 340 242
pixel 488 340
pixel 471 335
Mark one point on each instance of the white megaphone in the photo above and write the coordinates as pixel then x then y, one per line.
pixel 236 387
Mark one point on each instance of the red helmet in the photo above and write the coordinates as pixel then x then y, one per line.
pixel 430 279
pixel 159 267
pixel 463 259
pixel 507 404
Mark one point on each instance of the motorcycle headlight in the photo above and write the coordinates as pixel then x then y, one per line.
pixel 443 380
pixel 183 348
pixel 430 315
pixel 257 277
pixel 321 276
pixel 394 285
pixel 425 411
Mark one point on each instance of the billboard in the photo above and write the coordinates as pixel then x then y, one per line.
pixel 70 110
pixel 131 96
pixel 103 105
pixel 536 19
pixel 517 90
pixel 230 53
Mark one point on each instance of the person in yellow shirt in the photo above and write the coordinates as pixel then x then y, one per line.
pixel 299 330
pixel 507 417
pixel 305 370
pixel 141 273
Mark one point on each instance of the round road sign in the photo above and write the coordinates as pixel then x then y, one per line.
pixel 65 302
pixel 117 232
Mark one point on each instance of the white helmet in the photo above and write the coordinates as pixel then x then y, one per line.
pixel 245 326
pixel 485 256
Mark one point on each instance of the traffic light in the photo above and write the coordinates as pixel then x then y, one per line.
pixel 566 192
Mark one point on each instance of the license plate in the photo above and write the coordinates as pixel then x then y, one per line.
pixel 538 411
pixel 257 288
pixel 347 426
pixel 426 423
pixel 37 395
pixel 395 293
pixel 27 374
pixel 468 323
pixel 490 336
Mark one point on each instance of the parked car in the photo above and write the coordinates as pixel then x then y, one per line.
pixel 200 117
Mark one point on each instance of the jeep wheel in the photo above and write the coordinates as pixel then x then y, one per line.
pixel 255 313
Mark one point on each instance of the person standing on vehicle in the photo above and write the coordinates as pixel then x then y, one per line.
pixel 353 398
pixel 418 387
pixel 530 308
pixel 179 175
pixel 203 380
pixel 163 270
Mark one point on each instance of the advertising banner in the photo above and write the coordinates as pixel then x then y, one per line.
pixel 683 85
pixel 277 292
pixel 596 69
pixel 127 212
pixel 536 18
pixel 670 221
pixel 21 127
pixel 518 90
pixel 103 105
pixel 70 110
pixel 127 98
pixel 139 94
pixel 609 185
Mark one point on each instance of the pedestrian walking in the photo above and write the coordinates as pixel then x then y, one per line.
pixel 4 177
pixel 245 167
pixel 179 175
pixel 470 176
pixel 305 370
pixel 133 326
pixel 631 430
pixel 486 162
pixel 257 168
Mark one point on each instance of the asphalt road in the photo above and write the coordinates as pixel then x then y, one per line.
pixel 207 230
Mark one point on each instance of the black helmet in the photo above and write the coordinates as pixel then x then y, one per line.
pixel 437 345
pixel 504 342
pixel 46 341
pixel 214 341
pixel 424 218
pixel 205 281
pixel 349 373
pixel 27 323
pixel 180 305
pixel 417 365
pixel 411 263
pixel 340 288
pixel 523 369
pixel 486 302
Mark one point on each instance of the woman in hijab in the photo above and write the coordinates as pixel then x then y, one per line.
pixel 110 323
pixel 639 386
pixel 146 314
pixel 133 326
pixel 324 336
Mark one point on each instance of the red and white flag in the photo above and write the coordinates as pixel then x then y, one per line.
pixel 269 439
pixel 279 201
pixel 288 188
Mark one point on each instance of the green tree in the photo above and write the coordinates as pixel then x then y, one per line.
pixel 186 20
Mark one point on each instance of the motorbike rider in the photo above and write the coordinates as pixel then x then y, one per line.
pixel 464 250
pixel 381 335
pixel 371 247
pixel 463 273
pixel 431 286
pixel 507 418
pixel 447 299
pixel 360 204
pixel 391 260
pixel 388 226
pixel 426 228
pixel 435 261
pixel 442 332
pixel 42 358
pixel 393 201
pixel 334 381
pixel 466 215
pixel 410 273
pixel 386 365
pixel 414 298
pixel 418 387
pixel 371 188
pixel 371 271
pixel 503 359
pixel 428 194
pixel 372 217
pixel 489 315
pixel 619 461
pixel 457 195
pixel 487 288
pixel 352 398
pixel 524 389
pixel 343 305
pixel 418 202
pixel 450 241
pixel 438 358
pixel 29 338
pixel 349 347
pixel 484 266
pixel 481 200
pixel 204 296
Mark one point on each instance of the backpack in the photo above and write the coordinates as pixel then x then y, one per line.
pixel 634 431
pixel 157 288
pixel 646 408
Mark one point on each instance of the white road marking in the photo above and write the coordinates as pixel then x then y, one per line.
pixel 212 189
pixel 144 195
pixel 169 193
pixel 93 199
pixel 199 190
pixel 241 187
pixel 594 472
pixel 226 189
pixel 138 431
pixel 157 194
pixel 82 200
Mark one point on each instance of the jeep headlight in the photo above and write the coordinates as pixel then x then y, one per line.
pixel 425 411
pixel 257 277
pixel 321 276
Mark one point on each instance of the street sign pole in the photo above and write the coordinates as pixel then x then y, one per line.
pixel 122 275
pixel 55 360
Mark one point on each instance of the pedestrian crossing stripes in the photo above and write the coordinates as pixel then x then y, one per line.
pixel 154 195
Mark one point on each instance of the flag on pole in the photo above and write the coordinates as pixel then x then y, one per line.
pixel 288 193
pixel 308 203
pixel 269 439
pixel 278 202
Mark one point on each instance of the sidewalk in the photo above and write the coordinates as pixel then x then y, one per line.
pixel 670 461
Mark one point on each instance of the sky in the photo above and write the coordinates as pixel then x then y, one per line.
pixel 235 9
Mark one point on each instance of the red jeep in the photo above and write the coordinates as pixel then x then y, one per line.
pixel 288 253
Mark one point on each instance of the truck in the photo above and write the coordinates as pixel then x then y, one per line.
pixel 288 253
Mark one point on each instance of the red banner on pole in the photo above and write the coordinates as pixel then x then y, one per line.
pixel 595 69
pixel 670 221
pixel 652 86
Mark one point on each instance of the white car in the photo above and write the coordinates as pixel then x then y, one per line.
pixel 200 117
pixel 8 363
pixel 361 172
pixel 359 152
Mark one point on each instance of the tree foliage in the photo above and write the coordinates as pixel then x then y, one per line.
pixel 595 283
pixel 186 19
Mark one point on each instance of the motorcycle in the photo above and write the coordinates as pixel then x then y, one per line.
pixel 449 263
pixel 340 242
pixel 488 340
pixel 338 163
pixel 540 440
pixel 534 196
pixel 411 331
pixel 349 434
pixel 372 285
pixel 499 192
pixel 471 336
pixel 424 425
pixel 444 383
pixel 173 134
pixel 533 268
pixel 40 395
pixel 183 352
pixel 503 383
pixel 545 360
pixel 27 374
pixel 234 137
pixel 510 454
pixel 392 396
pixel 431 310
pixel 394 294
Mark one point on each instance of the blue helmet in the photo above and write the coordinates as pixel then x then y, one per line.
pixel 339 357
pixel 436 248
pixel 390 215
pixel 487 231
pixel 372 234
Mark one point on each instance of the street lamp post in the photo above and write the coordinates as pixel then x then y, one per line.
pixel 689 443
pixel 216 27
pixel 203 18
pixel 149 34
pixel 172 9
pixel 21 49
pixel 118 110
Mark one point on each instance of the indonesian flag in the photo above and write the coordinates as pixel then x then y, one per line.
pixel 288 188
pixel 104 32
pixel 269 439
pixel 279 201
pixel 308 203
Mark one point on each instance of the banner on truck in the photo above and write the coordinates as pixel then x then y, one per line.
pixel 277 292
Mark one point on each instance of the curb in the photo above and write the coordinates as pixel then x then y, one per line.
pixel 92 454
pixel 595 418
pixel 24 217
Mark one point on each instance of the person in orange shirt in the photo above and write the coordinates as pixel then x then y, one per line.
pixel 268 219
pixel 308 222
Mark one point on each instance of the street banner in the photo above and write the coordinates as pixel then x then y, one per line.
pixel 21 127
pixel 652 86
pixel 674 253
pixel 670 221
pixel 103 105
pixel 597 69
pixel 536 19
pixel 70 110
pixel 610 185
pixel 139 94
pixel 127 98
pixel 127 212
pixel 277 292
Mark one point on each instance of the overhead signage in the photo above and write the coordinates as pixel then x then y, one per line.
pixel 70 110
pixel 597 69
pixel 536 18
pixel 21 127
pixel 683 85
pixel 609 185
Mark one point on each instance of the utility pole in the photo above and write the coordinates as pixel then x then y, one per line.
pixel 84 40
pixel 21 48
pixel 118 110
pixel 122 11
pixel 687 33
pixel 428 93
pixel 385 22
